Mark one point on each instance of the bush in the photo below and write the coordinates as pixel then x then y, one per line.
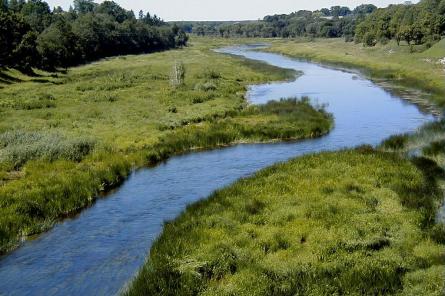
pixel 397 142
pixel 207 86
pixel 369 39
pixel 435 148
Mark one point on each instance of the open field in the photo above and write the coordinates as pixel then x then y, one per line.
pixel 357 222
pixel 66 137
pixel 421 69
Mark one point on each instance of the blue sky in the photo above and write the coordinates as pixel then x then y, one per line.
pixel 228 9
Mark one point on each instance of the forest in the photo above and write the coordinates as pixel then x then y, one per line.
pixel 414 23
pixel 32 35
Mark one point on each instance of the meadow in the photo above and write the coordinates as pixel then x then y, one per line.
pixel 354 222
pixel 424 68
pixel 66 137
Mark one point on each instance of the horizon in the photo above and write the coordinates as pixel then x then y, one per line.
pixel 201 10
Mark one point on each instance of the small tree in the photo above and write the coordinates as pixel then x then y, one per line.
pixel 369 39
pixel 177 75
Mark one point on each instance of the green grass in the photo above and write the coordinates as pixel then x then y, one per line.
pixel 66 137
pixel 420 69
pixel 357 222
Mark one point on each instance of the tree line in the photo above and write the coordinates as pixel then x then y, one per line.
pixel 34 35
pixel 334 22
pixel 414 23
pixel 418 24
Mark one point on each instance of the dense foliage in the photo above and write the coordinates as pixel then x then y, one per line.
pixel 334 22
pixel 33 35
pixel 420 23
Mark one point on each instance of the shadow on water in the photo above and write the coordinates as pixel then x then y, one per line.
pixel 101 249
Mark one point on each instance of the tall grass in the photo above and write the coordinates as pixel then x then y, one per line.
pixel 289 119
pixel 65 138
pixel 18 147
pixel 67 174
pixel 327 224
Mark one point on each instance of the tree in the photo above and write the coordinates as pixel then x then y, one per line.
pixel 364 9
pixel 4 5
pixel 369 39
pixel 25 54
pixel 37 13
pixel 406 33
pixel 15 6
pixel 112 9
pixel 181 37
pixel 325 11
pixel 13 28
pixel 84 6
pixel 57 45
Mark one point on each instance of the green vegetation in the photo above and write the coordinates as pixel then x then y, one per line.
pixel 66 137
pixel 421 23
pixel 34 36
pixel 429 141
pixel 397 64
pixel 358 222
pixel 334 22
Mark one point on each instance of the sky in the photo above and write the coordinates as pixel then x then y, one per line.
pixel 201 10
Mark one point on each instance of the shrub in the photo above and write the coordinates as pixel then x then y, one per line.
pixel 435 148
pixel 178 74
pixel 369 39
pixel 207 86
pixel 397 142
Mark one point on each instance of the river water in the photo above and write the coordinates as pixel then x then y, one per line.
pixel 100 250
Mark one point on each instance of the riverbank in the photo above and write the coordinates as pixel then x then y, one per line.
pixel 422 69
pixel 355 221
pixel 65 138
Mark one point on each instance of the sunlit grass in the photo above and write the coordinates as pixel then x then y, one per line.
pixel 111 116
pixel 345 223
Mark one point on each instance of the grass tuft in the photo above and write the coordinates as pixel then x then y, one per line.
pixel 289 235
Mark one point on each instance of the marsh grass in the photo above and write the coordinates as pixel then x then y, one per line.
pixel 428 141
pixel 56 161
pixel 18 147
pixel 289 119
pixel 343 223
pixel 435 148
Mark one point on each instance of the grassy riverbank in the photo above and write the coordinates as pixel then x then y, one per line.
pixel 64 138
pixel 420 69
pixel 350 222
pixel 428 141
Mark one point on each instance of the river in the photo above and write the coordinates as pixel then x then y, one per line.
pixel 101 249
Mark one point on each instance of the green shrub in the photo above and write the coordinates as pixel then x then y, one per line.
pixel 435 148
pixel 396 142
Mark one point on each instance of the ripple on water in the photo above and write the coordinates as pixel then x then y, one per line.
pixel 100 250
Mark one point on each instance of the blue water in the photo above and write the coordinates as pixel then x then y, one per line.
pixel 101 249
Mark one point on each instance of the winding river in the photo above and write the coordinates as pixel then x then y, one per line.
pixel 100 250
